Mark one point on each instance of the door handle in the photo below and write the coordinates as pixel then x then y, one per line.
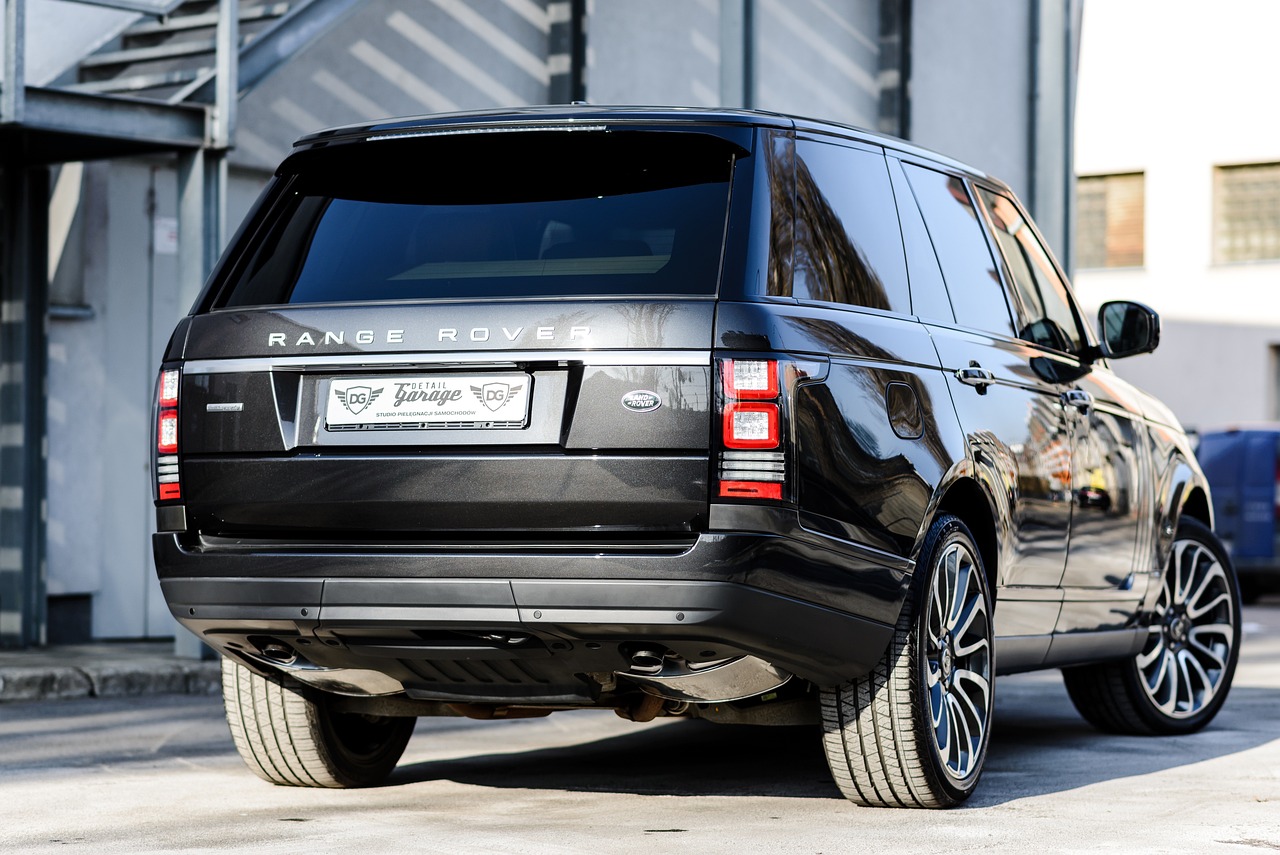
pixel 975 376
pixel 1079 400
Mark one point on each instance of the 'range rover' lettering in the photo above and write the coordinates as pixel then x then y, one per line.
pixel 474 334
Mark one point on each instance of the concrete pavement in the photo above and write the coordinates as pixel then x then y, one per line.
pixel 104 670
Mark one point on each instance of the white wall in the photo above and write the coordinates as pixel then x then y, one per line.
pixel 1172 92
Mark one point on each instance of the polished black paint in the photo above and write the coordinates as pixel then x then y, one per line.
pixel 1077 479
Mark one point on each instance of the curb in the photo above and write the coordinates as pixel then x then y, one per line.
pixel 157 677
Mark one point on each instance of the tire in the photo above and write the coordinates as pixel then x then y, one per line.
pixel 288 738
pixel 914 731
pixel 1180 679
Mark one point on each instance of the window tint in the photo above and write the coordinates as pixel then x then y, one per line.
pixel 929 298
pixel 977 294
pixel 500 215
pixel 1045 316
pixel 848 248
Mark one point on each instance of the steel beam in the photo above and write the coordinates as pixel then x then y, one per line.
pixel 148 7
pixel 13 87
pixel 114 117
pixel 228 71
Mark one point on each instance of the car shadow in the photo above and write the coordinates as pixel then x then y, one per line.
pixel 1040 745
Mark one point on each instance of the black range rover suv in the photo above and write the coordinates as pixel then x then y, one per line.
pixel 725 415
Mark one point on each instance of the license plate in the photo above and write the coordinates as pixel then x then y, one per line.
pixel 436 402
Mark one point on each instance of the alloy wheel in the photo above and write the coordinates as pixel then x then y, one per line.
pixel 1184 661
pixel 957 662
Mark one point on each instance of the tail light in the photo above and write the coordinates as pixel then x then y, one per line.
pixel 168 485
pixel 753 462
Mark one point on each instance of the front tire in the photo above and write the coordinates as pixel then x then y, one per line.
pixel 1180 679
pixel 288 738
pixel 914 732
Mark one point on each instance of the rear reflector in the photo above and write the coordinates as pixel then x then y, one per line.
pixel 750 490
pixel 170 491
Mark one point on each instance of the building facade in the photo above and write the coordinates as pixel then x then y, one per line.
pixel 910 68
pixel 1178 154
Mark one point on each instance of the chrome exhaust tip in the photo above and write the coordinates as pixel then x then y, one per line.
pixel 647 660
pixel 280 654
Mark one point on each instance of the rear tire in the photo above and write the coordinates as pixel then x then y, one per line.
pixel 288 738
pixel 914 732
pixel 1180 679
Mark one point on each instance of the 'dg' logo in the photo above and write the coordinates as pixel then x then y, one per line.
pixel 356 398
pixel 494 395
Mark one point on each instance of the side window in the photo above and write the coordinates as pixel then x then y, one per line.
pixel 929 300
pixel 1046 317
pixel 848 248
pixel 977 294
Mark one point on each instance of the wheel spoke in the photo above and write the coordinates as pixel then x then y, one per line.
pixel 1154 682
pixel 951 581
pixel 1179 565
pixel 1191 667
pixel 968 612
pixel 938 609
pixel 1147 657
pixel 966 650
pixel 942 724
pixel 1222 599
pixel 1205 652
pixel 962 749
pixel 1219 630
pixel 982 687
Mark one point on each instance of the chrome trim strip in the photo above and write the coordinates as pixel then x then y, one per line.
pixel 443 359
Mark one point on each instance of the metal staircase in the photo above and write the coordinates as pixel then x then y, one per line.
pixel 171 57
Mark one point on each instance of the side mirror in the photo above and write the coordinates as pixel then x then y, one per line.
pixel 1127 329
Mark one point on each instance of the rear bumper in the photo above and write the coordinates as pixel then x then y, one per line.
pixel 518 623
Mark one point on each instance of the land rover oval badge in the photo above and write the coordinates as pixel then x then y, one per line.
pixel 641 401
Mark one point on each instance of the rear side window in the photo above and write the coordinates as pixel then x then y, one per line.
pixel 977 294
pixel 848 248
pixel 501 215
pixel 929 300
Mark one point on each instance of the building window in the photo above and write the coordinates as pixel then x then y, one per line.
pixel 1109 225
pixel 1246 212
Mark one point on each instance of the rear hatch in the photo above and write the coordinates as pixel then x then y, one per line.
pixel 464 334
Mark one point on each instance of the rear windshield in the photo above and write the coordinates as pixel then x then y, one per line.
pixel 474 216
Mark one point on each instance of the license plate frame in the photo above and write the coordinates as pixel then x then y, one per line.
pixel 475 401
